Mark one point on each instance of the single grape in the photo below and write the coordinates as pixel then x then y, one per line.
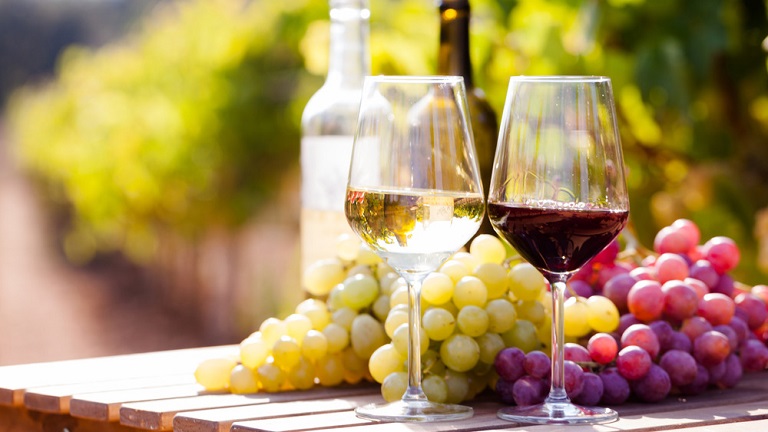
pixel 395 318
pixel 741 329
pixel 670 266
pixel 617 288
pixel 472 262
pixel 272 329
pixel 359 291
pixel 366 335
pixel 703 271
pixel 672 240
pixel 490 345
pixel 699 384
pixel 754 355
pixel 725 285
pixel 680 300
pixel 680 341
pixel 242 380
pixel 528 391
pixel 642 273
pixel 576 317
pixel 576 353
pixel 438 323
pixel 645 300
pixel 488 249
pixel 214 373
pixel 359 269
pixel 616 389
pixel 302 375
pixel 504 389
pixel 494 277
pixel 602 314
pixel 317 312
pixel 380 309
pixel 733 372
pixel 716 372
pixel 730 333
pixel 653 386
pixel 663 332
pixel 689 229
pixel 296 326
pixel 437 288
pixel 608 272
pixel 330 370
pixel 458 386
pixel 393 387
pixel 537 364
pixel 633 362
pixel 580 288
pixel 754 307
pixel 700 287
pixel 574 378
pixel 286 353
pixel 470 291
pixel 366 256
pixel 531 310
pixel 501 315
pixel 472 320
pixel 347 246
pixel 525 282
pixel 717 308
pixel 388 282
pixel 399 296
pixel 643 336
pixel 625 321
pixel 711 347
pixel 522 335
pixel 315 345
pixel 460 352
pixel 509 363
pixel 602 348
pixel 254 351
pixel 454 269
pixel 271 378
pixel 401 339
pixel 694 326
pixel 592 390
pixel 344 317
pixel 323 275
pixel 723 253
pixel 435 388
pixel 431 363
pixel 337 337
pixel 384 361
pixel 680 365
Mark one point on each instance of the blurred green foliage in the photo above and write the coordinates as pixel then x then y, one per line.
pixel 193 119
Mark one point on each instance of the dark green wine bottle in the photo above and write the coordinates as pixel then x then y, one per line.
pixel 453 59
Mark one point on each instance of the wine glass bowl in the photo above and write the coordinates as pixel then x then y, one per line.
pixel 415 197
pixel 558 196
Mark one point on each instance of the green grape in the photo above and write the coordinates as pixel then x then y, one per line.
pixel 602 314
pixel 367 334
pixel 494 276
pixel 334 300
pixel 525 282
pixel 337 337
pixel 347 247
pixel 330 370
pixel 470 290
pixel 431 363
pixel 362 270
pixel 400 339
pixel 272 329
pixel 472 320
pixel 359 291
pixel 367 257
pixel 522 335
pixel 395 319
pixel 388 282
pixel 384 269
pixel 575 321
pixel 254 351
pixel 469 260
pixel 242 380
pixel 321 276
pixel 437 288
pixel 297 326
pixel 488 249
pixel 352 362
pixel 531 310
pixel 394 386
pixel 286 353
pixel 384 361
pixel 316 311
pixel 315 345
pixel 460 352
pixel 490 344
pixel 457 384
pixel 302 374
pixel 344 317
pixel 380 307
pixel 214 373
pixel 454 269
pixel 438 323
pixel 399 296
pixel 435 388
pixel 271 378
pixel 501 315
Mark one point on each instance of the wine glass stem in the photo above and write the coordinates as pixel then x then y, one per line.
pixel 557 391
pixel 414 390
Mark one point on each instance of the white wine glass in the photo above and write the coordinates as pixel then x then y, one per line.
pixel 415 197
pixel 558 196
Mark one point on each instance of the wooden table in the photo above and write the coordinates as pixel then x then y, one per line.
pixel 157 391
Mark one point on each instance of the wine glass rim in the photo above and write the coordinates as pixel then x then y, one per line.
pixel 417 78
pixel 560 78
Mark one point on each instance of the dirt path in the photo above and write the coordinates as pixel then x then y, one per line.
pixel 52 311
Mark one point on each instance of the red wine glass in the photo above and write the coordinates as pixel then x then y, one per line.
pixel 558 196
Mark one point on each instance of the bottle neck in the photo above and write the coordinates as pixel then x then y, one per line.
pixel 453 57
pixel 349 61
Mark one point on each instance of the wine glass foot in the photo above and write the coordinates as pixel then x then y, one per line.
pixel 413 411
pixel 558 413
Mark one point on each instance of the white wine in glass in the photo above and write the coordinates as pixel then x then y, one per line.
pixel 415 197
pixel 559 197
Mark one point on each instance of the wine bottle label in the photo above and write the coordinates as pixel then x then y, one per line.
pixel 324 171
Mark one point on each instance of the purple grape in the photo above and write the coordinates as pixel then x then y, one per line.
pixel 592 390
pixel 680 341
pixel 699 384
pixel 574 378
pixel 716 372
pixel 680 366
pixel 576 353
pixel 733 372
pixel 616 389
pixel 730 333
pixel 654 386
pixel 537 364
pixel 633 362
pixel 664 333
pixel 741 328
pixel 528 391
pixel 724 285
pixel 711 348
pixel 609 272
pixel 754 355
pixel 753 307
pixel 625 321
pixel 509 363
pixel 504 390
pixel 703 271
pixel 580 287
pixel 643 336
pixel 616 289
